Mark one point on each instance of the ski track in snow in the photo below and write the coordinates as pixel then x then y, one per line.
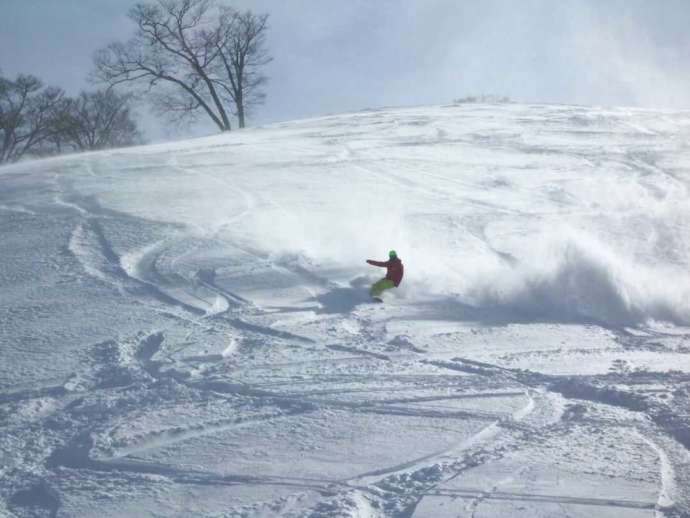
pixel 238 368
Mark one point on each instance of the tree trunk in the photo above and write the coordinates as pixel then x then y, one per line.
pixel 240 112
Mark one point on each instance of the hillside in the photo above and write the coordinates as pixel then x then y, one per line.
pixel 186 328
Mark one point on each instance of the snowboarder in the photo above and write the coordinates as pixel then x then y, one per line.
pixel 394 274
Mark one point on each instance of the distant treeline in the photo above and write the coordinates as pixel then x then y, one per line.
pixel 483 99
pixel 39 120
pixel 188 58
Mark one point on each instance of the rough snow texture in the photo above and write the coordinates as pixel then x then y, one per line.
pixel 185 329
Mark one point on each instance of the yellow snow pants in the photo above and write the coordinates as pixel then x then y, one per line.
pixel 380 286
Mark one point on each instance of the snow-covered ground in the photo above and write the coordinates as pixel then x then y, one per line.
pixel 185 329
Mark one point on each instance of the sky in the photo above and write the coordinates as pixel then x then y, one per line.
pixel 334 56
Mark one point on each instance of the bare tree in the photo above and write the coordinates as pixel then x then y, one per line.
pixel 98 120
pixel 58 139
pixel 181 54
pixel 27 112
pixel 241 55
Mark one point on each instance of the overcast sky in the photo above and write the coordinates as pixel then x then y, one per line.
pixel 340 55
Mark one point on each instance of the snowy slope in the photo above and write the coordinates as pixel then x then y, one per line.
pixel 185 329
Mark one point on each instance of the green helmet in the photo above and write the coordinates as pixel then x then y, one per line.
pixel 392 254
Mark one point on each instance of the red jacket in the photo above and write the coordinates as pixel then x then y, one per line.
pixel 394 269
